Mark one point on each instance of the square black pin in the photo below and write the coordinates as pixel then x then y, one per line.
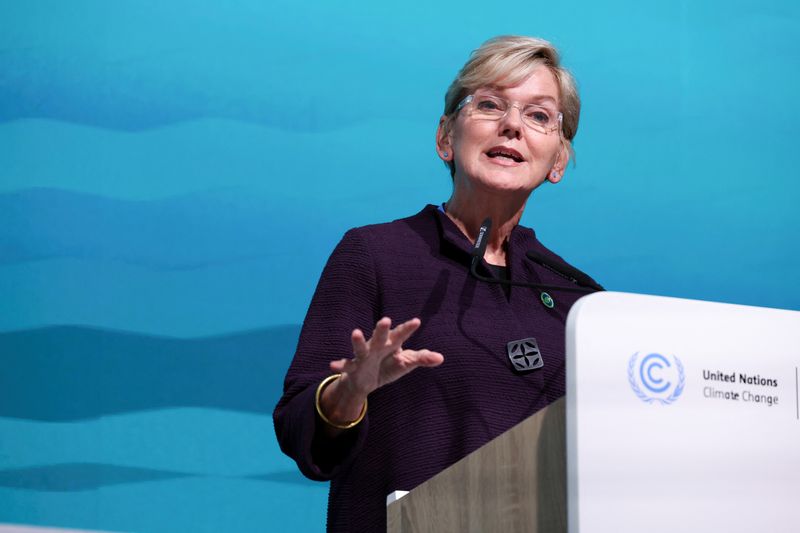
pixel 525 355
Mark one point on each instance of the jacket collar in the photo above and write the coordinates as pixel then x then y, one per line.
pixel 520 238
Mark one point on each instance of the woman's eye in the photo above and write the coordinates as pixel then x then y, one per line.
pixel 488 105
pixel 539 116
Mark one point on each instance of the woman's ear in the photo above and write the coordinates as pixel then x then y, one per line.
pixel 443 145
pixel 557 172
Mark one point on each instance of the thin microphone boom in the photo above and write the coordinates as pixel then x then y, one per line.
pixel 564 270
pixel 574 275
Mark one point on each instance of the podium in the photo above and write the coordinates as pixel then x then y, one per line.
pixel 516 482
pixel 680 415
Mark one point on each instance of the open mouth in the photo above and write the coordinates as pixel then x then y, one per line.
pixel 506 153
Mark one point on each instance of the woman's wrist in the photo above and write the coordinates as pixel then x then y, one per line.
pixel 337 405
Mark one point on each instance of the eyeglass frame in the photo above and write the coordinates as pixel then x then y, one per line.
pixel 519 105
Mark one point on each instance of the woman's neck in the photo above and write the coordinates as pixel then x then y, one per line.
pixel 468 213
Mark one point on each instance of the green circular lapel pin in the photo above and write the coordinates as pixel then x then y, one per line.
pixel 547 300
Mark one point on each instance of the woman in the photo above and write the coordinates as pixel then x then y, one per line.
pixel 388 413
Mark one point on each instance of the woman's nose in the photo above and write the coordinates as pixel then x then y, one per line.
pixel 511 123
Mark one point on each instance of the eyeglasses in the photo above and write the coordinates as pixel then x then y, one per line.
pixel 487 107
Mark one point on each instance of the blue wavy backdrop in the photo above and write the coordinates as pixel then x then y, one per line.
pixel 174 175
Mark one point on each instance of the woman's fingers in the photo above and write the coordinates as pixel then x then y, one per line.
pixel 381 359
pixel 401 333
pixel 384 340
pixel 415 358
pixel 338 366
pixel 429 358
pixel 380 334
pixel 360 347
pixel 403 362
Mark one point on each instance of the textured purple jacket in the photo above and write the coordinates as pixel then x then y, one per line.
pixel 432 417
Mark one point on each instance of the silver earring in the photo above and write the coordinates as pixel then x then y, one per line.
pixel 444 154
pixel 554 175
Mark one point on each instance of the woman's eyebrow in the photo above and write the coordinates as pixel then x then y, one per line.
pixel 496 91
pixel 542 97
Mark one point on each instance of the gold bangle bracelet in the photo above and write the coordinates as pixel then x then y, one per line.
pixel 349 425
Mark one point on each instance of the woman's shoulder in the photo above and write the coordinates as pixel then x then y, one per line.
pixel 421 225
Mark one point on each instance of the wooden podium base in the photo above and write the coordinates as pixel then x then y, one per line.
pixel 515 483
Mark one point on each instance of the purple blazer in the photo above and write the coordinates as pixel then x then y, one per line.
pixel 432 417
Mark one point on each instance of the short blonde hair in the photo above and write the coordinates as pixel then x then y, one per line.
pixel 507 60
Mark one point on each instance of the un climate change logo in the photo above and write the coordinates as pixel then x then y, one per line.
pixel 655 378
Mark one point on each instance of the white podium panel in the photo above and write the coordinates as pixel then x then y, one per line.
pixel 682 416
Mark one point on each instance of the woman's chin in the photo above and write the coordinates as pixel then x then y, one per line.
pixel 506 181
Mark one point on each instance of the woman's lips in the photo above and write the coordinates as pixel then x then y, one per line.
pixel 505 157
pixel 505 154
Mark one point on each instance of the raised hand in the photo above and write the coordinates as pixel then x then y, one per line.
pixel 376 362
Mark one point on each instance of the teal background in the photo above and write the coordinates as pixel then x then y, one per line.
pixel 174 175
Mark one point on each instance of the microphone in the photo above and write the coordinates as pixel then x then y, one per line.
pixel 564 270
pixel 479 250
pixel 572 274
